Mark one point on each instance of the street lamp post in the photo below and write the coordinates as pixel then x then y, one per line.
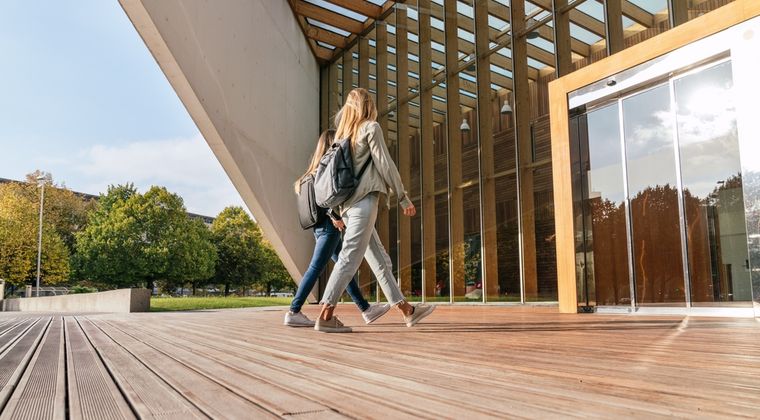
pixel 41 184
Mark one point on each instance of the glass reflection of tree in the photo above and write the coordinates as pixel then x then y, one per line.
pixel 610 252
pixel 657 257
pixel 710 268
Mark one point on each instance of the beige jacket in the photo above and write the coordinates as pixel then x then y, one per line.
pixel 381 175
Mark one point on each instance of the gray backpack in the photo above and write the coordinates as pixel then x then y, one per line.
pixel 335 181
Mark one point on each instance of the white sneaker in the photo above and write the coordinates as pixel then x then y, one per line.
pixel 375 311
pixel 297 320
pixel 331 326
pixel 420 312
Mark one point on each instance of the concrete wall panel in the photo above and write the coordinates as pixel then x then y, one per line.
pixel 247 76
pixel 122 301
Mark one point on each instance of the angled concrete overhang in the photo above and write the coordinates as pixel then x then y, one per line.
pixel 247 77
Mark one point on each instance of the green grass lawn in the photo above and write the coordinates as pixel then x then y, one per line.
pixel 162 304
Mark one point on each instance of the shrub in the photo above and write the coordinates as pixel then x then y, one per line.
pixel 82 289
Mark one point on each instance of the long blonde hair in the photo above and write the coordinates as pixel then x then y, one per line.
pixel 323 144
pixel 359 107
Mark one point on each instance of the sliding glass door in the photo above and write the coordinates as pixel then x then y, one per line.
pixel 659 209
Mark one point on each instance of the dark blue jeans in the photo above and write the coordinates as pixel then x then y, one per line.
pixel 328 245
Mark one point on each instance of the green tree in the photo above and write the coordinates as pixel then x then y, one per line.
pixel 64 210
pixel 143 239
pixel 19 210
pixel 238 243
pixel 273 275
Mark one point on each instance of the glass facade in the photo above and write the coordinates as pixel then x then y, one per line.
pixel 462 89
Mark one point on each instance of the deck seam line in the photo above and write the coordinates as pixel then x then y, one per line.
pixel 64 337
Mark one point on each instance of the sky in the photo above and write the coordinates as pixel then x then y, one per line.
pixel 81 97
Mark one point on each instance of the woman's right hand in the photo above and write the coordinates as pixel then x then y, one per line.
pixel 339 225
pixel 410 211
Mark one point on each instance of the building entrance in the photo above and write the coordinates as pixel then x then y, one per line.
pixel 659 209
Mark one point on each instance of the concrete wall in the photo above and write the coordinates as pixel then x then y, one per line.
pixel 246 75
pixel 122 300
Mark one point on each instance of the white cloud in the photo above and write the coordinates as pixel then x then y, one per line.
pixel 184 166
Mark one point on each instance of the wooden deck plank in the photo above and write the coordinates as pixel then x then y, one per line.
pixel 16 355
pixel 41 392
pixel 282 400
pixel 14 332
pixel 5 324
pixel 92 394
pixel 147 393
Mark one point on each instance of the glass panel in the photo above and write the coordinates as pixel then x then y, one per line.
pixel 413 146
pixel 392 142
pixel 652 189
pixel 546 253
pixel 712 183
pixel 507 287
pixel 746 61
pixel 601 251
pixel 469 289
pixel 582 232
pixel 507 228
pixel 538 203
pixel 696 10
pixel 437 287
pixel 645 20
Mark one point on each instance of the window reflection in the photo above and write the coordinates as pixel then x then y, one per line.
pixel 653 195
pixel 601 250
pixel 712 182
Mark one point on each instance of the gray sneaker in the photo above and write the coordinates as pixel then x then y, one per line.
pixel 420 312
pixel 331 326
pixel 297 320
pixel 375 311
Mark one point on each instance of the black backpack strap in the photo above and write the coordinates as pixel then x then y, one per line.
pixel 364 168
pixel 366 164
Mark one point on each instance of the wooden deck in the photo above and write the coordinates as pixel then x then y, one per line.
pixel 464 362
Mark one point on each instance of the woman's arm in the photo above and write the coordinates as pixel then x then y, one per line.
pixel 384 164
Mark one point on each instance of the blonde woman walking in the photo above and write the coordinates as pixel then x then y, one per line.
pixel 327 245
pixel 357 121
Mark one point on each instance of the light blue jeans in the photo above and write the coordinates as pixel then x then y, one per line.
pixel 360 241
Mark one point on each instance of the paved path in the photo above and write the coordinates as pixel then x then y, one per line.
pixel 465 362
